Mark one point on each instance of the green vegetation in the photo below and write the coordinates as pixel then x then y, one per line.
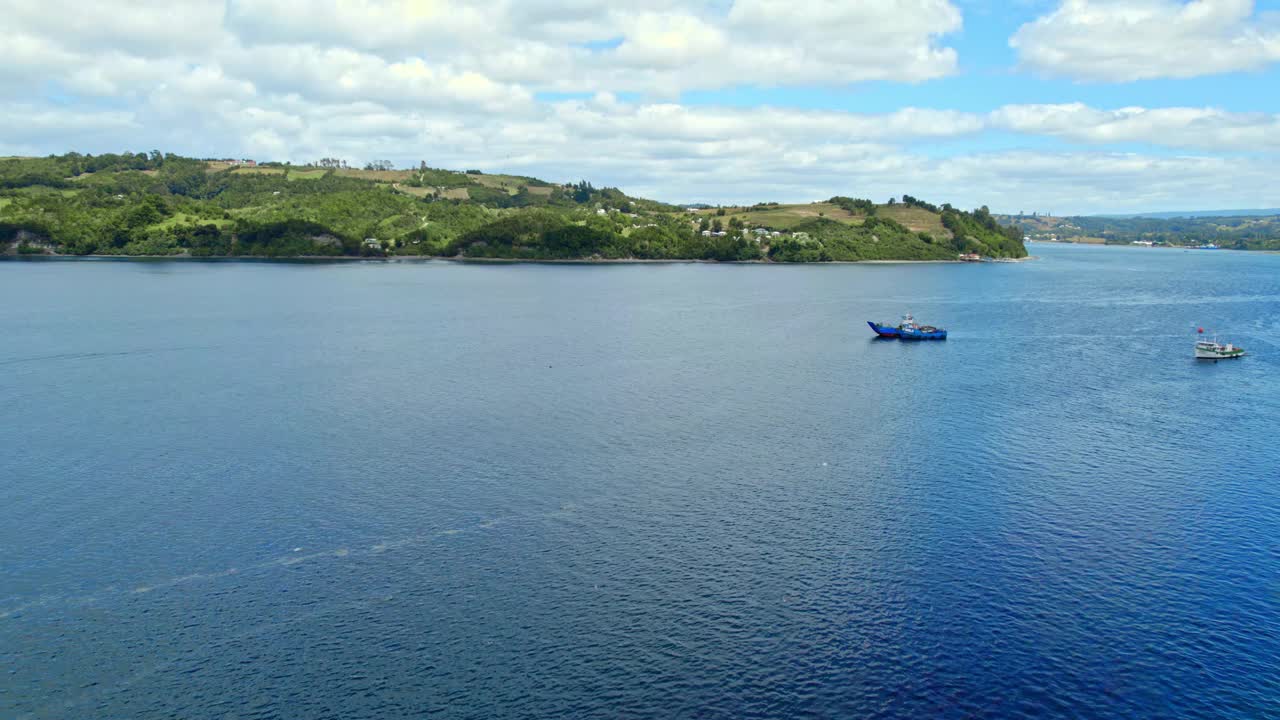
pixel 156 204
pixel 1240 233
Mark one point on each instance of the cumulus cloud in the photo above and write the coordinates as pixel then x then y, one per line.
pixel 31 127
pixel 1078 182
pixel 1179 127
pixel 460 85
pixel 1126 40
pixel 662 47
pixel 146 28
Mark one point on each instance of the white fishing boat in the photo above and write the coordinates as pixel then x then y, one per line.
pixel 1214 350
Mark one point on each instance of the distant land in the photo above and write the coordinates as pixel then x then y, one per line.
pixel 1195 213
pixel 1258 231
pixel 156 204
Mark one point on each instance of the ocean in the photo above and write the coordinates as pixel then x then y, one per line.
pixel 407 489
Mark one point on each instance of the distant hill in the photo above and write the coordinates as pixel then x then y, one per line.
pixel 1239 232
pixel 167 205
pixel 1197 214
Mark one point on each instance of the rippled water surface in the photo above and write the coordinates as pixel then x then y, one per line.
pixel 254 490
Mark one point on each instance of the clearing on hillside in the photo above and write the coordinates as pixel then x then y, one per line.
pixel 258 170
pixel 387 176
pixel 420 192
pixel 915 218
pixel 785 217
pixel 782 217
pixel 185 219
pixel 511 183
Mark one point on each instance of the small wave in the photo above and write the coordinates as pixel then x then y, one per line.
pixel 99 355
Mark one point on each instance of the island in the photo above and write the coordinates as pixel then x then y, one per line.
pixel 157 204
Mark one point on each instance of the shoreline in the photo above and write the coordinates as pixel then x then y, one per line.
pixel 477 260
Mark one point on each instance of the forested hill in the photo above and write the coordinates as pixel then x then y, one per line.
pixel 156 204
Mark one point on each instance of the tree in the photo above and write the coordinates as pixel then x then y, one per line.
pixel 582 192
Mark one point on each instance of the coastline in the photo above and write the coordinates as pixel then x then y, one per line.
pixel 478 260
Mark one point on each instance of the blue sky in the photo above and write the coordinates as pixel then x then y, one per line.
pixel 1077 105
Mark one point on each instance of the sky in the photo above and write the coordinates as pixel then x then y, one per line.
pixel 1051 106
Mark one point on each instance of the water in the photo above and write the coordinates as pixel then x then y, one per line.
pixel 256 490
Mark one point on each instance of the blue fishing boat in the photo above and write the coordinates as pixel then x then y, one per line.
pixel 908 329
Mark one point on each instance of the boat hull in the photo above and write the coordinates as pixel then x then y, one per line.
pixel 905 333
pixel 885 331
pixel 923 334
pixel 1210 355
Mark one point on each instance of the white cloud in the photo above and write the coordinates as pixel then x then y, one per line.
pixel 457 85
pixel 683 154
pixel 493 53
pixel 606 117
pixel 664 48
pixel 338 75
pixel 1126 40
pixel 31 127
pixel 1067 183
pixel 145 28
pixel 1179 127
pixel 398 27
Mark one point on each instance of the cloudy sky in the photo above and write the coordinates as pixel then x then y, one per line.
pixel 1070 106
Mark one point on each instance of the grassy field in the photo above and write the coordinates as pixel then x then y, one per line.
pixel 510 183
pixel 457 194
pixel 419 192
pixel 259 171
pixel 785 217
pixel 184 219
pixel 387 176
pixel 306 174
pixel 917 219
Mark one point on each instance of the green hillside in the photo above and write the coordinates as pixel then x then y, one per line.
pixel 155 204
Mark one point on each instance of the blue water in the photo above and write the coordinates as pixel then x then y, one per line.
pixel 382 490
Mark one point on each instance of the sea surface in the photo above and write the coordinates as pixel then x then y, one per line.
pixel 385 490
